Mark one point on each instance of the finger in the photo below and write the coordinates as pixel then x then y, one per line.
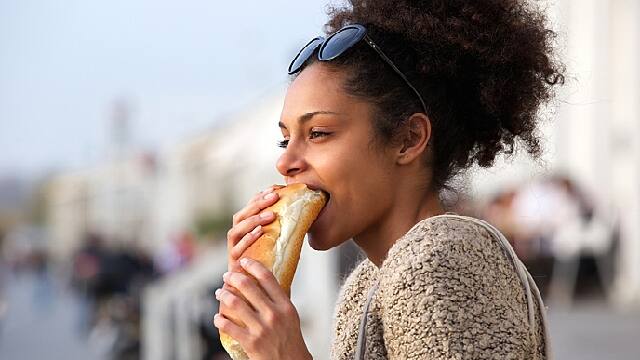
pixel 270 189
pixel 258 197
pixel 237 232
pixel 246 241
pixel 230 288
pixel 250 289
pixel 265 278
pixel 255 206
pixel 275 187
pixel 223 308
pixel 235 331
pixel 235 235
pixel 237 308
pixel 251 208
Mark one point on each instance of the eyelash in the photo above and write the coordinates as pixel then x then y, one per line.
pixel 283 143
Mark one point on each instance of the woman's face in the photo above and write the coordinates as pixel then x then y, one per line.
pixel 329 146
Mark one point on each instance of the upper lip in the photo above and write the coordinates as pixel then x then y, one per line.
pixel 313 186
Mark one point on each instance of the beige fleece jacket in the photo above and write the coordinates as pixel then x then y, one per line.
pixel 448 289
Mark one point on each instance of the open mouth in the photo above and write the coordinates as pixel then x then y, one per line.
pixel 326 193
pixel 316 188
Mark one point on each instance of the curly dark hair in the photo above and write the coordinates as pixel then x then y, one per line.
pixel 483 67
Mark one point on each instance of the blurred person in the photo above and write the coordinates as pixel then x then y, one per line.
pixel 4 273
pixel 499 212
pixel 587 234
pixel 112 281
pixel 539 209
pixel 186 247
pixel 123 274
pixel 529 215
pixel 177 254
pixel 383 114
pixel 570 187
pixel 87 262
pixel 143 274
pixel 43 292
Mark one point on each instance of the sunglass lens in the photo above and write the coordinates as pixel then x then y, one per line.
pixel 339 42
pixel 304 54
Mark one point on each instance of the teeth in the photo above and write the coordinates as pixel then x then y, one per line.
pixel 314 188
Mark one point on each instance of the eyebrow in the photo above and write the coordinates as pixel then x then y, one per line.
pixel 306 117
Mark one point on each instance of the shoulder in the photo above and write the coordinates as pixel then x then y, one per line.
pixel 445 250
pixel 450 274
pixel 441 237
pixel 438 252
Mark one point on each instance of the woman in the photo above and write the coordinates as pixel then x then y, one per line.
pixel 383 115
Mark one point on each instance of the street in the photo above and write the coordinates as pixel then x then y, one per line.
pixel 595 332
pixel 43 321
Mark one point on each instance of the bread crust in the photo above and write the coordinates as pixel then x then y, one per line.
pixel 295 211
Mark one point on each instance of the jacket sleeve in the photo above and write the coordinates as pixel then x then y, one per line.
pixel 452 295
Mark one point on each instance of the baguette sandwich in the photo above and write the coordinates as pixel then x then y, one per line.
pixel 278 249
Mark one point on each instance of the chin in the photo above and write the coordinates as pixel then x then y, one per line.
pixel 324 240
pixel 317 243
pixel 322 234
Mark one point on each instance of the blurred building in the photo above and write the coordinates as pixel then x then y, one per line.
pixel 112 199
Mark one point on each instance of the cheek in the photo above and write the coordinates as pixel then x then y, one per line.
pixel 334 168
pixel 350 167
pixel 358 182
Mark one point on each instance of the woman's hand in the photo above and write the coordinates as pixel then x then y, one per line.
pixel 247 225
pixel 272 323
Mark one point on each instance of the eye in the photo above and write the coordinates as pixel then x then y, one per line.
pixel 317 134
pixel 312 135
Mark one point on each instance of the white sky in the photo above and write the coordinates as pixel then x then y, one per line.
pixel 181 64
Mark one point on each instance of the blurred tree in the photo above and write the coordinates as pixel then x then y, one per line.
pixel 213 226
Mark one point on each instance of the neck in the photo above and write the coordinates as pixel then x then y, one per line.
pixel 405 212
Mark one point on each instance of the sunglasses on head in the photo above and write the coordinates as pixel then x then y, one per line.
pixel 339 42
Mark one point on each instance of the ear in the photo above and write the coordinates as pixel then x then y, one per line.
pixel 417 133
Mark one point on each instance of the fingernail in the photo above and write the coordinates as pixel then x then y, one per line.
pixel 244 261
pixel 225 276
pixel 257 230
pixel 270 196
pixel 218 292
pixel 266 214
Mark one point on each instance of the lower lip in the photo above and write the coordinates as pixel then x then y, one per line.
pixel 324 209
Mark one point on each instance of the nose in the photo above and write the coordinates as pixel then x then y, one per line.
pixel 291 162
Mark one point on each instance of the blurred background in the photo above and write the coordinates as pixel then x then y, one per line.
pixel 131 131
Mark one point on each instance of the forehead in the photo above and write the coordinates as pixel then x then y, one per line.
pixel 316 88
